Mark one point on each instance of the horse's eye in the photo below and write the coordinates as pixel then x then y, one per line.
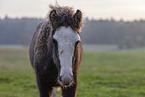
pixel 77 43
pixel 54 40
pixel 61 52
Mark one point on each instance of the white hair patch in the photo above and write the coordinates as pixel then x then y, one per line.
pixel 66 38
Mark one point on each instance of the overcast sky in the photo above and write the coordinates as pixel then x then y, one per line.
pixel 125 9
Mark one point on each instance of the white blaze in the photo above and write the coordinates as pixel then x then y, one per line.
pixel 66 38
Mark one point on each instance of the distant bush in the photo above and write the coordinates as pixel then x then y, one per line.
pixel 130 42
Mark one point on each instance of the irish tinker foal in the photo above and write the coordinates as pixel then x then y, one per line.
pixel 56 51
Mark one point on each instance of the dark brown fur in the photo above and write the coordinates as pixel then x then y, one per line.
pixel 43 55
pixel 66 17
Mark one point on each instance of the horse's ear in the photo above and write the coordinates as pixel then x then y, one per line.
pixel 53 16
pixel 77 17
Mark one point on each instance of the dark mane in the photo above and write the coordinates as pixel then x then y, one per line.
pixel 65 17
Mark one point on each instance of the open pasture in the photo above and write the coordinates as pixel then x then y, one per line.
pixel 101 74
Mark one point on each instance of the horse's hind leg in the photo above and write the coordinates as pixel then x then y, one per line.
pixel 54 92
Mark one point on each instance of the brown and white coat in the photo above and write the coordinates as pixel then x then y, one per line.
pixel 56 51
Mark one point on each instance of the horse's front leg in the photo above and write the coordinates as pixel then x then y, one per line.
pixel 44 90
pixel 69 91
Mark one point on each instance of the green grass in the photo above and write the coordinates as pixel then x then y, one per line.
pixel 101 74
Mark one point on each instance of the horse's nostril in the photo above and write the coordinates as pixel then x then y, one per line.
pixel 60 78
pixel 71 76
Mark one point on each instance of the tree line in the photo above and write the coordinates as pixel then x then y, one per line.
pixel 124 34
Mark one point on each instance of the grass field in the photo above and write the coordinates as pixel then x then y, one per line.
pixel 102 74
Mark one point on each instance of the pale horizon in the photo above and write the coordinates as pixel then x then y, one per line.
pixel 93 9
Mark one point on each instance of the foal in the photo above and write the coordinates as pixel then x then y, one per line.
pixel 56 51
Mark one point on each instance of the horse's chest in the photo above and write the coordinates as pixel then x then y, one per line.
pixel 47 72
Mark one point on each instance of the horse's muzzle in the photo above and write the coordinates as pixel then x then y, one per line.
pixel 66 80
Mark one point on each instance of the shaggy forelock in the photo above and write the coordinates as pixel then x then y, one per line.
pixel 65 17
pixel 62 10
